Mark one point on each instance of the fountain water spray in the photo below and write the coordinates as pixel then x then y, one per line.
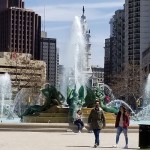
pixel 5 91
pixel 75 63
pixel 77 54
pixel 117 103
pixel 77 70
pixel 146 96
pixel 144 114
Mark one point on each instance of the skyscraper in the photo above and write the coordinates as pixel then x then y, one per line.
pixel 118 42
pixel 49 55
pixel 20 28
pixel 114 48
pixel 107 60
pixel 137 35
pixel 137 38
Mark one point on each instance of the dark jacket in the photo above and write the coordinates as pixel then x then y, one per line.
pixel 125 120
pixel 96 118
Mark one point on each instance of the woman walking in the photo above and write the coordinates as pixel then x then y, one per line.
pixel 122 123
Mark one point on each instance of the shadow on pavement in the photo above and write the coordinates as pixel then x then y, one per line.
pixel 69 134
pixel 116 148
pixel 78 146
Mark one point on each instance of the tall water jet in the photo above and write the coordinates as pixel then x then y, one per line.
pixel 5 92
pixel 77 66
pixel 76 55
pixel 146 95
pixel 144 114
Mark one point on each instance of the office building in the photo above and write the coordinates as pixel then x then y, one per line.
pixel 114 48
pixel 108 60
pixel 98 73
pixel 137 38
pixel 50 55
pixel 20 28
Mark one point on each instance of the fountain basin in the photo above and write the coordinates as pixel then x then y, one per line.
pixel 61 115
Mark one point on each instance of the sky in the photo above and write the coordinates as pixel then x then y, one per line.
pixel 59 16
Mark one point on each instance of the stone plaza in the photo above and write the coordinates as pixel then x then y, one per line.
pixel 18 140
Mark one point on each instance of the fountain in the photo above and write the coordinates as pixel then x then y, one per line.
pixel 75 63
pixel 77 70
pixel 75 76
pixel 107 91
pixel 143 116
pixel 6 103
pixel 23 99
pixel 117 103
pixel 77 73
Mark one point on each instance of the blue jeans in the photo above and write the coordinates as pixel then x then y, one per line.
pixel 96 133
pixel 79 124
pixel 125 131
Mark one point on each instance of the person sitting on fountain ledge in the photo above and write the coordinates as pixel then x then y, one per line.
pixel 122 123
pixel 78 121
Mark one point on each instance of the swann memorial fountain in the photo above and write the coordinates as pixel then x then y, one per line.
pixel 76 89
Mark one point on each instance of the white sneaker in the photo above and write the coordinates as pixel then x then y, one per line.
pixel 79 131
pixel 126 147
pixel 115 146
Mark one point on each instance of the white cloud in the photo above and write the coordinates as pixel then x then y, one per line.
pixel 59 28
pixel 94 5
pixel 66 12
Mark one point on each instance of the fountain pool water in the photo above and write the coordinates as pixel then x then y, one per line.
pixel 143 116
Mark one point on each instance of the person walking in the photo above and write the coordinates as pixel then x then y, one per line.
pixel 122 123
pixel 96 121
pixel 78 121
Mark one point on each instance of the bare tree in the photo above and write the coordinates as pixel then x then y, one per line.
pixel 127 83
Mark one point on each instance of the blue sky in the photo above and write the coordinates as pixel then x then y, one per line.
pixel 59 15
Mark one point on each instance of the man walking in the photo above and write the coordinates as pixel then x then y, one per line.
pixel 96 121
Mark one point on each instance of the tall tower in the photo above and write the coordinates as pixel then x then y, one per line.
pixel 111 22
pixel 87 36
pixel 20 28
pixel 50 56
pixel 137 38
pixel 114 48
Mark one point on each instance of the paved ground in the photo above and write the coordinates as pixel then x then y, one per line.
pixel 61 141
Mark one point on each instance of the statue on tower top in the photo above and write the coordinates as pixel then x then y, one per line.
pixel 83 10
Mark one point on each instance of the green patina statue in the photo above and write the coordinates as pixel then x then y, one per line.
pixel 101 96
pixel 52 97
pixel 77 100
pixel 72 101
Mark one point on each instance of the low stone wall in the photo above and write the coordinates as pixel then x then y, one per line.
pixel 61 115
